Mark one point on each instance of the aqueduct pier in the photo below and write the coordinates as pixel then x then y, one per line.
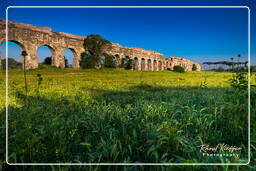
pixel 30 38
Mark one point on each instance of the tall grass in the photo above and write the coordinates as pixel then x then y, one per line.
pixel 119 116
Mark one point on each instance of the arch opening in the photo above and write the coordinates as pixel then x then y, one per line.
pixel 149 65
pixel 117 60
pixel 155 65
pixel 160 66
pixel 135 63
pixel 143 64
pixel 45 55
pixel 69 57
pixel 15 59
pixel 125 61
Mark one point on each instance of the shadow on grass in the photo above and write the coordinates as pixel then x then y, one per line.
pixel 144 124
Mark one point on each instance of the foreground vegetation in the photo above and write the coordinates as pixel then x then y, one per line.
pixel 118 116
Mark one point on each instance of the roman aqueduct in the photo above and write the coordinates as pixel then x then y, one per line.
pixel 30 38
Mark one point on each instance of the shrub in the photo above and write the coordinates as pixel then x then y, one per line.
pixel 48 61
pixel 12 64
pixel 178 68
pixel 239 80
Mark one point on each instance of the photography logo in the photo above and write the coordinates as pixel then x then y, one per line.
pixel 220 150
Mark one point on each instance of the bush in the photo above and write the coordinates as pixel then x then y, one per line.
pixel 12 64
pixel 178 68
pixel 47 61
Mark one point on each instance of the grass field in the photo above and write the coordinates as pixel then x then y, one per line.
pixel 117 116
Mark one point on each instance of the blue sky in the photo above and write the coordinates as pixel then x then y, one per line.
pixel 198 34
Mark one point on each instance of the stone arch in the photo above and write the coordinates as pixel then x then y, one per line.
pixel 75 57
pixel 17 42
pixel 21 47
pixel 143 64
pixel 136 63
pixel 67 61
pixel 155 65
pixel 124 61
pixel 53 55
pixel 160 66
pixel 167 64
pixel 117 60
pixel 149 63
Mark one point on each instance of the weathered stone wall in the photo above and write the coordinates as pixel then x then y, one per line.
pixel 185 63
pixel 30 38
pixel 143 59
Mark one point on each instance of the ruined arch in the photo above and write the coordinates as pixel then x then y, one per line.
pixel 143 64
pixel 124 61
pixel 149 63
pixel 160 66
pixel 117 60
pixel 14 51
pixel 135 63
pixel 71 62
pixel 167 65
pixel 50 48
pixel 155 65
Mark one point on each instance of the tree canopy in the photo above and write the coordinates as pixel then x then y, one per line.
pixel 95 48
pixel 47 60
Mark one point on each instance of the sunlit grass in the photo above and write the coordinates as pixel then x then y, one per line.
pixel 114 115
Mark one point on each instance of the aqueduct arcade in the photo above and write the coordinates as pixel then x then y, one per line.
pixel 30 38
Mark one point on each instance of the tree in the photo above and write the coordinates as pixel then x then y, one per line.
pixel 128 64
pixel 48 61
pixel 95 48
pixel 109 61
pixel 194 67
pixel 86 60
pixel 178 68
